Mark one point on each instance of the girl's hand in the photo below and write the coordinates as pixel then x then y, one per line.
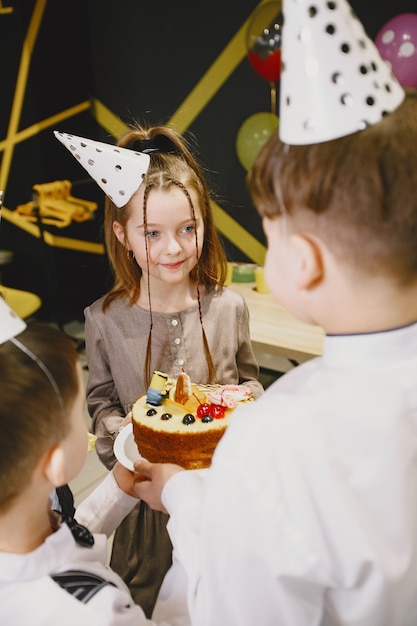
pixel 150 479
pixel 125 479
pixel 126 420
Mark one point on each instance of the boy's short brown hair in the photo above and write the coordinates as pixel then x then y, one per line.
pixel 31 416
pixel 358 192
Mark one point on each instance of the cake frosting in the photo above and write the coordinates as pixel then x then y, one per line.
pixel 186 423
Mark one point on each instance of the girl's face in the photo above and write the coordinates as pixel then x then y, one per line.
pixel 170 234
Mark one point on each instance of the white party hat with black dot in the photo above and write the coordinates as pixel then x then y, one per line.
pixel 333 81
pixel 10 323
pixel 118 171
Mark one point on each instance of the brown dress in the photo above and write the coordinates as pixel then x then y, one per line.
pixel 116 347
pixel 142 554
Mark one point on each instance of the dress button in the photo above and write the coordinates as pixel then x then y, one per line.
pixel 180 361
pixel 174 322
pixel 177 341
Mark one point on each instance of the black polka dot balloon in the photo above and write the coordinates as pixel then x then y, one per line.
pixel 333 80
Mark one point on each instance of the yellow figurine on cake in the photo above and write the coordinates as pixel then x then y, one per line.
pixel 157 390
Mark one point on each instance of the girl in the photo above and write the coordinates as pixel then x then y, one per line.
pixel 168 310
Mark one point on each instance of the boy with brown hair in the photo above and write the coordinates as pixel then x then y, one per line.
pixel 53 567
pixel 309 510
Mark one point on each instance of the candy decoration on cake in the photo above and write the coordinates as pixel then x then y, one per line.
pixel 118 171
pixel 229 395
pixel 182 390
pixel 217 398
pixel 333 80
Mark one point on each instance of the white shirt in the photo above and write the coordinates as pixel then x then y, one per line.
pixel 30 597
pixel 309 510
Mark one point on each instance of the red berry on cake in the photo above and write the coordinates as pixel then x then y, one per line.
pixel 203 409
pixel 217 411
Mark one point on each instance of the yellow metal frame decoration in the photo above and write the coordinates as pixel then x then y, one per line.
pixel 190 108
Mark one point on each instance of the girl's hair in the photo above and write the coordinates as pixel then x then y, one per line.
pixel 358 192
pixel 34 413
pixel 165 170
pixel 171 164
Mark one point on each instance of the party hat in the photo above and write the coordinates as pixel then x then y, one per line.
pixel 334 81
pixel 10 323
pixel 118 171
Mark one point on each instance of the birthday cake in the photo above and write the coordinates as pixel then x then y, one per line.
pixel 181 422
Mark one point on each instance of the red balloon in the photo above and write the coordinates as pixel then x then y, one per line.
pixel 263 41
pixel 268 68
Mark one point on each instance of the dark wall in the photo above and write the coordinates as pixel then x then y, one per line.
pixel 58 77
pixel 55 75
pixel 146 59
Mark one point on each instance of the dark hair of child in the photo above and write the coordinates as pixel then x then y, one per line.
pixel 357 192
pixel 34 414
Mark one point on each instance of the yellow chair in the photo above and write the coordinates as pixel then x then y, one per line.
pixel 24 303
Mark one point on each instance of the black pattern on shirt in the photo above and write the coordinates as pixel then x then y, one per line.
pixel 82 585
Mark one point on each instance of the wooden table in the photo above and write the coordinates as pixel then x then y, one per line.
pixel 276 332
pixel 24 303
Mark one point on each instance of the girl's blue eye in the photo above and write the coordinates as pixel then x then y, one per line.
pixel 189 229
pixel 152 234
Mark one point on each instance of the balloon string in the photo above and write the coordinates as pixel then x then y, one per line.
pixel 273 98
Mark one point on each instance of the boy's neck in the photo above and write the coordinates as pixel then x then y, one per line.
pixel 372 307
pixel 25 525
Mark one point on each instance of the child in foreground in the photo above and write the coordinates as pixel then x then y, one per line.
pixel 52 569
pixel 309 510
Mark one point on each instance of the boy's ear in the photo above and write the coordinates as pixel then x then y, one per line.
pixel 52 466
pixel 308 260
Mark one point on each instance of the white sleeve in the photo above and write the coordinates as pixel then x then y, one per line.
pixel 243 560
pixel 182 497
pixel 104 509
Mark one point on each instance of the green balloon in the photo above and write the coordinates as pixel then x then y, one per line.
pixel 252 135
